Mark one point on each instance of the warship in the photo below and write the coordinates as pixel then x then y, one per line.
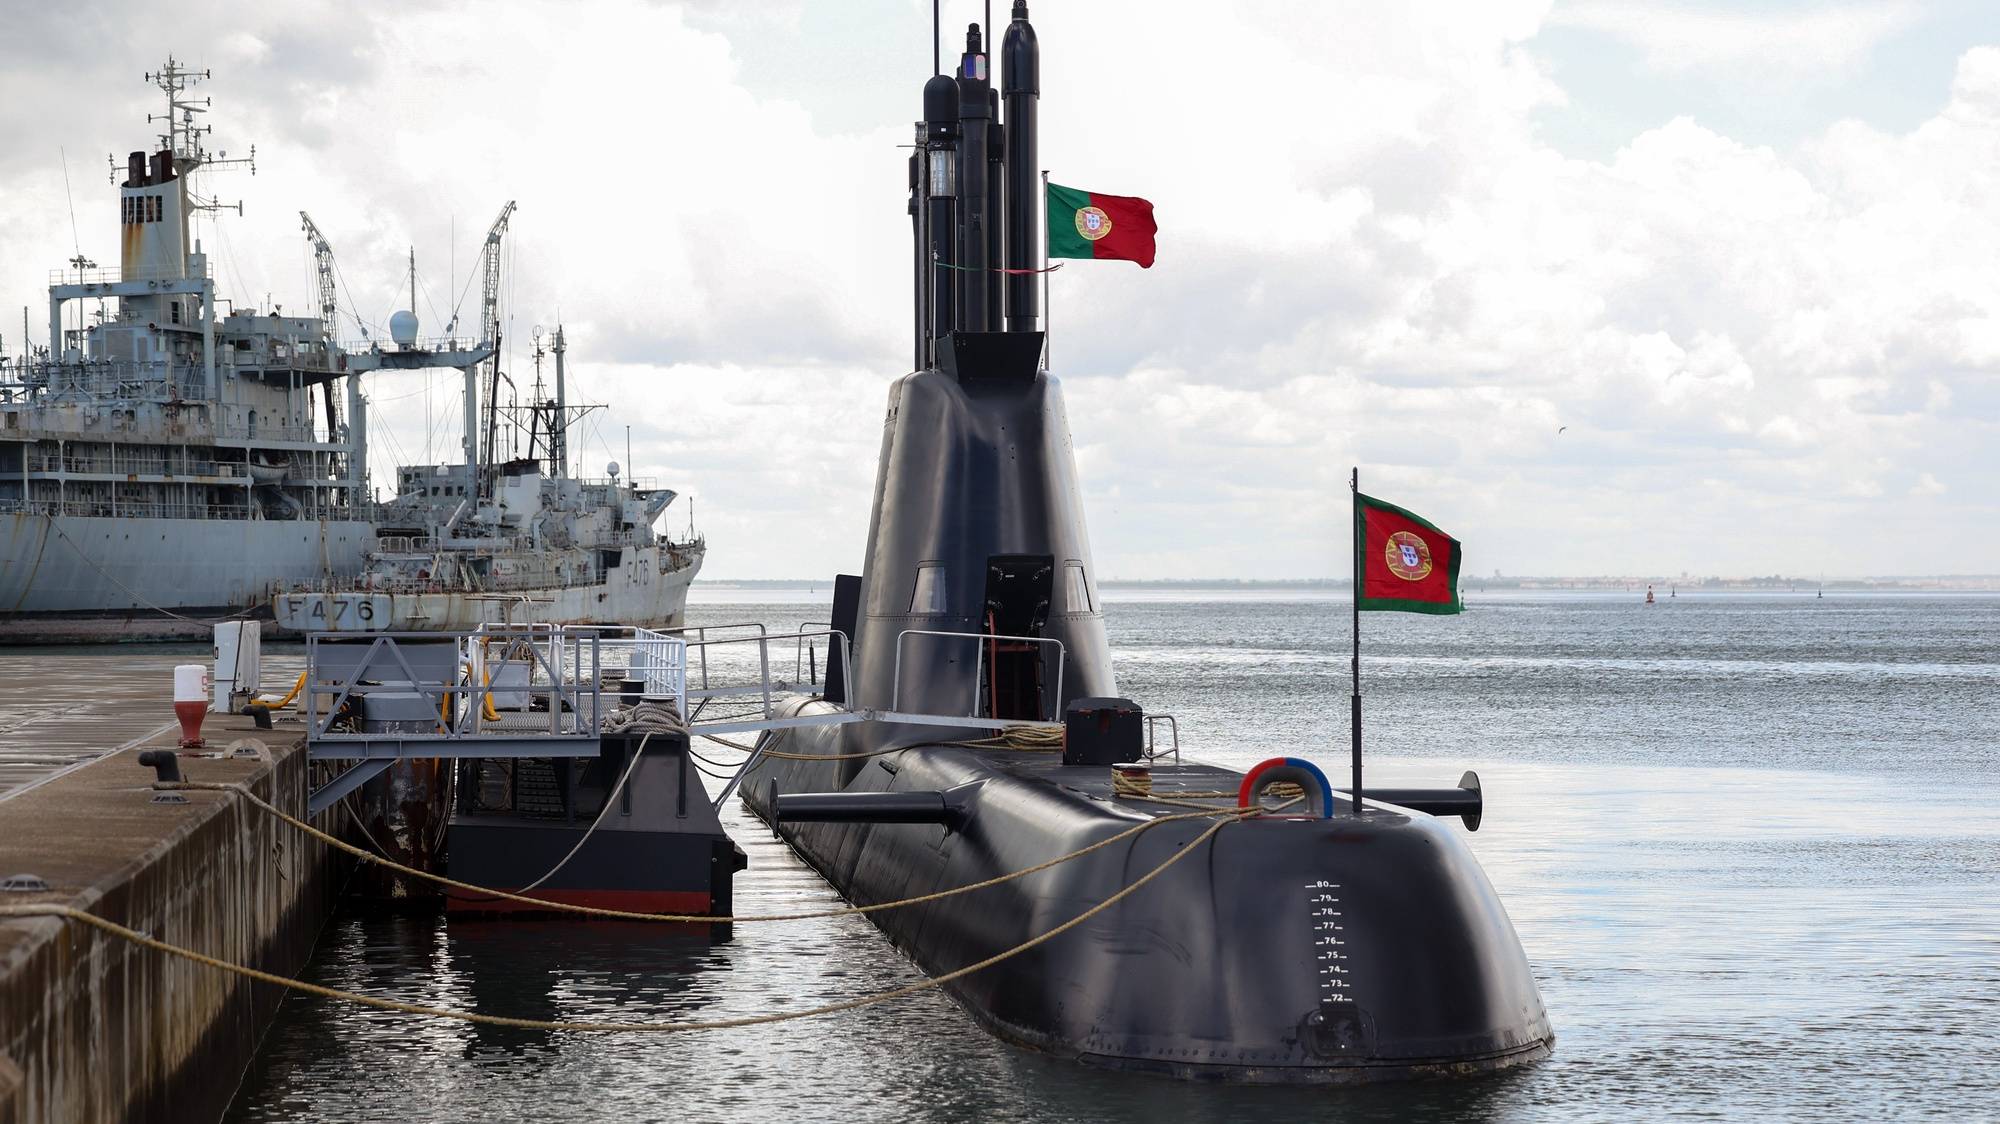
pixel 170 461
pixel 162 459
pixel 510 540
pixel 1332 937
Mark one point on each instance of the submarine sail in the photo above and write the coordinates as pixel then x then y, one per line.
pixel 1328 940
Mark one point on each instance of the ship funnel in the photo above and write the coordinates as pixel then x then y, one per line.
pixel 135 170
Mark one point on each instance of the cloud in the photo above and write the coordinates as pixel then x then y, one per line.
pixel 1760 45
pixel 1368 255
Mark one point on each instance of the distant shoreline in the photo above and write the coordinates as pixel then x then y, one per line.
pixel 1954 583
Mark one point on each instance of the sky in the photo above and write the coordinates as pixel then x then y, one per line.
pixel 1600 286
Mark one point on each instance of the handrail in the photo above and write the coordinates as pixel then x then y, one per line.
pixel 1172 725
pixel 979 664
pixel 800 648
pixel 702 631
pixel 574 701
pixel 763 641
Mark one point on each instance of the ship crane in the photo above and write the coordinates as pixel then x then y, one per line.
pixel 329 309
pixel 489 321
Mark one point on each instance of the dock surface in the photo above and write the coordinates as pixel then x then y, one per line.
pixel 60 706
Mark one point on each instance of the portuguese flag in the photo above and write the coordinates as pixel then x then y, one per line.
pixel 1404 563
pixel 1086 224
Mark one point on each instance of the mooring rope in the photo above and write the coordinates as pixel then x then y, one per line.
pixel 134 936
pixel 711 919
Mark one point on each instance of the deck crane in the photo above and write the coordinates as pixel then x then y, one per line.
pixel 489 322
pixel 329 311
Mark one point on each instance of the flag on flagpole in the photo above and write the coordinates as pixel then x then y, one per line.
pixel 1090 224
pixel 1408 565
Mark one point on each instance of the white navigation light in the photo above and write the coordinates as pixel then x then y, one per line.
pixel 403 328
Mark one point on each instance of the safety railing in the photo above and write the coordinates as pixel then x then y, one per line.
pixel 1153 753
pixel 701 642
pixel 434 695
pixel 397 695
pixel 805 655
pixel 982 639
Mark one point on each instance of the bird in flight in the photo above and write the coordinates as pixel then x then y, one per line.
pixel 1561 429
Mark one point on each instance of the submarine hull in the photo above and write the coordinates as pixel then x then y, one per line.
pixel 1294 950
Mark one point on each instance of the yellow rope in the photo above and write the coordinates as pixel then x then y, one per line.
pixel 145 941
pixel 629 915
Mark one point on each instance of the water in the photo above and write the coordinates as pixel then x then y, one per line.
pixel 1749 843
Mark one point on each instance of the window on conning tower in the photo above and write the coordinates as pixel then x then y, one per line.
pixel 928 598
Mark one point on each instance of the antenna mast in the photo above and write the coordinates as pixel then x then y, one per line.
pixel 183 136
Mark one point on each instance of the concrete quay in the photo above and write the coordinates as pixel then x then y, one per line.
pixel 95 1029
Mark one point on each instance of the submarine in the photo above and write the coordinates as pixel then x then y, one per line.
pixel 1316 935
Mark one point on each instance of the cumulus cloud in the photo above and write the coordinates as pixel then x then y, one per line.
pixel 1728 38
pixel 1368 255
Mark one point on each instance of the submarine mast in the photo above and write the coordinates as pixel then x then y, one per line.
pixel 975 206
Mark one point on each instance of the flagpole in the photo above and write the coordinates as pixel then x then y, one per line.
pixel 1046 317
pixel 1354 492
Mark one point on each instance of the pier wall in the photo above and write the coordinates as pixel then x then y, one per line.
pixel 93 1028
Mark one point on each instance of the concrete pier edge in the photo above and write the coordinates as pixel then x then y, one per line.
pixel 94 1029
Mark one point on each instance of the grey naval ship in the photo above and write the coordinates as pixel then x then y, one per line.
pixel 1331 937
pixel 509 540
pixel 162 461
pixel 164 464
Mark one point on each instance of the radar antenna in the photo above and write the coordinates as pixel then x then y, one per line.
pixel 183 137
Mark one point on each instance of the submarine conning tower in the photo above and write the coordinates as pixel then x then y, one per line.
pixel 1300 946
pixel 978 520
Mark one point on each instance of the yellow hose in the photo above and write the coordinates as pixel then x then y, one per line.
pixel 485 700
pixel 280 704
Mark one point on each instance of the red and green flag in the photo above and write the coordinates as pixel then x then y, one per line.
pixel 1089 224
pixel 1405 563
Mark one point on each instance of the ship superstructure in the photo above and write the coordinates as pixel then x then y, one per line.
pixel 162 458
pixel 510 537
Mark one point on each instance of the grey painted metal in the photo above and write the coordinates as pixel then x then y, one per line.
pixel 569 662
pixel 328 794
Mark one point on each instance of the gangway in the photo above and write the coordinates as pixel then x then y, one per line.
pixel 510 691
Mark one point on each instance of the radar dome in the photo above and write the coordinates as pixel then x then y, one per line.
pixel 403 328
pixel 611 470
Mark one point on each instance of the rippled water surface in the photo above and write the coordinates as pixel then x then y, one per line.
pixel 1750 845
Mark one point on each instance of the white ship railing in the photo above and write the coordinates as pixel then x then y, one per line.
pixel 537 691
pixel 430 694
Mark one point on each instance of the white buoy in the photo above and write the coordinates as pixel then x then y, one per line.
pixel 190 701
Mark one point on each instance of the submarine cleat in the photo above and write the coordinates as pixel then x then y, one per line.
pixel 970 732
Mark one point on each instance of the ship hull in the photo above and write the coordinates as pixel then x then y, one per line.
pixel 663 850
pixel 1294 951
pixel 66 579
pixel 638 593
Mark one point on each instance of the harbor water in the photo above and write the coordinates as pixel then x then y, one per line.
pixel 1750 843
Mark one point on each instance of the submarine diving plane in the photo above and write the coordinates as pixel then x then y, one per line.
pixel 1328 939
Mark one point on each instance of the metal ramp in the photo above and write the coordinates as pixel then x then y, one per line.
pixel 513 691
pixel 376 699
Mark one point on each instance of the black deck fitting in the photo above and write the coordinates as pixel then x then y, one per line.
pixel 165 763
